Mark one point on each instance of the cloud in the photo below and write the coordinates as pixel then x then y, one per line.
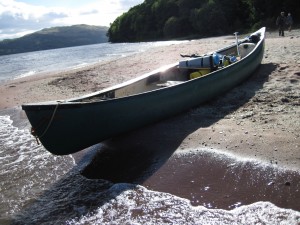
pixel 18 18
pixel 126 3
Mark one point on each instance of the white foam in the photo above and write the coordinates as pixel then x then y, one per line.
pixel 79 66
pixel 234 158
pixel 132 204
pixel 138 205
pixel 26 169
pixel 27 74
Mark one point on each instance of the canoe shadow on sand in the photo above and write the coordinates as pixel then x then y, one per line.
pixel 132 157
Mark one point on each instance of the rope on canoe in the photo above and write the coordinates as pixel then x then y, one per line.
pixel 33 132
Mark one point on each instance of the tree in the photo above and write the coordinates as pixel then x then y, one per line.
pixel 210 19
pixel 171 27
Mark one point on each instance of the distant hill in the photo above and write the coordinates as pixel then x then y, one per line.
pixel 56 37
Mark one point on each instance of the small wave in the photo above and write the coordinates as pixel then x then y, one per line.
pixel 137 205
pixel 167 43
pixel 27 74
pixel 117 55
pixel 81 65
pixel 26 168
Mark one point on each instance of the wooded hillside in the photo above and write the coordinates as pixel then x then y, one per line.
pixel 165 19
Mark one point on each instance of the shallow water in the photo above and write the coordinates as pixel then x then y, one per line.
pixel 185 187
pixel 26 169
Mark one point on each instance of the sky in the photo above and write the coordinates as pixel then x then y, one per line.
pixel 20 17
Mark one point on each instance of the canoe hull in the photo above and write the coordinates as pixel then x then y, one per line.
pixel 66 128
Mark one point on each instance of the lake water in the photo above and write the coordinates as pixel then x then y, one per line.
pixel 37 187
pixel 26 64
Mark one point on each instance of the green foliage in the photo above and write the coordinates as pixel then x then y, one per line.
pixel 171 27
pixel 56 37
pixel 167 19
pixel 210 19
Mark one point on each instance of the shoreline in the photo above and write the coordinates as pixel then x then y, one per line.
pixel 258 119
pixel 234 157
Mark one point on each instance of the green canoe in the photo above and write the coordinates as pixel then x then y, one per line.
pixel 65 127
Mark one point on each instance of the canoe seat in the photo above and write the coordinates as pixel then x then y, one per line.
pixel 169 83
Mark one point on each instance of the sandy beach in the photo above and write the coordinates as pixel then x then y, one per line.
pixel 258 121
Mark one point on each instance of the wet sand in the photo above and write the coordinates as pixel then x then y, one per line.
pixel 245 142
